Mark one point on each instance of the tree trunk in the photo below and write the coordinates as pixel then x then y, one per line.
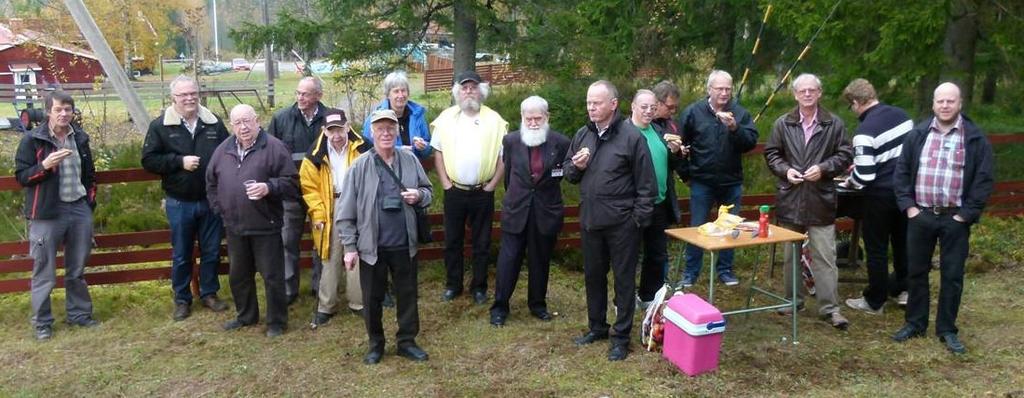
pixel 988 88
pixel 465 36
pixel 925 89
pixel 725 36
pixel 959 47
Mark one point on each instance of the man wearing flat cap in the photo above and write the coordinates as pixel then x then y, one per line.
pixel 467 140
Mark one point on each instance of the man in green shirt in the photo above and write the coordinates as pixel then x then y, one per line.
pixel 666 156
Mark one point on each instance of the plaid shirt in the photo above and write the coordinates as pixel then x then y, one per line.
pixel 71 188
pixel 940 174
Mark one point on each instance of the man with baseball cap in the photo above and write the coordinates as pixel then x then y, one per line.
pixel 467 139
pixel 321 177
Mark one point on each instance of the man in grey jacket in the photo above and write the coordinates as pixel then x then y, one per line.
pixel 377 223
pixel 807 149
pixel 249 176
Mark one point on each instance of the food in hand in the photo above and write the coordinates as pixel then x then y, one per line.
pixel 723 115
pixel 673 138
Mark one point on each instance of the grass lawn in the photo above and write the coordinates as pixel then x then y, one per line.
pixel 140 351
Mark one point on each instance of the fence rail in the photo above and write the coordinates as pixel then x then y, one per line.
pixel 146 90
pixel 495 74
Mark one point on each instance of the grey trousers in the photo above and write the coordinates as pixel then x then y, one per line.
pixel 291 235
pixel 822 244
pixel 73 230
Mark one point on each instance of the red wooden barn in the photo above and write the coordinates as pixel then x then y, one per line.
pixel 28 57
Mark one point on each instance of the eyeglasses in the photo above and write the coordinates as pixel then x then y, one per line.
pixel 808 91
pixel 647 108
pixel 240 122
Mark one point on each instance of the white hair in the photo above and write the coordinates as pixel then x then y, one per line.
pixel 318 84
pixel 715 74
pixel 182 79
pixel 644 91
pixel 806 76
pixel 534 103
pixel 395 79
pixel 485 90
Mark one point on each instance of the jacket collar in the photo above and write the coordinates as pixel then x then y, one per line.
pixel 172 118
pixel 319 151
pixel 824 116
pixel 42 132
pixel 971 131
pixel 613 127
pixel 320 110
pixel 413 108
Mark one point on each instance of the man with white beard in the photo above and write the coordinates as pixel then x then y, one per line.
pixel 531 214
pixel 467 144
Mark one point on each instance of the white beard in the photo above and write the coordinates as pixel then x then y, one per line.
pixel 469 104
pixel 534 137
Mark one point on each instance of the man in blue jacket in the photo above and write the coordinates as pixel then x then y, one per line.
pixel 413 132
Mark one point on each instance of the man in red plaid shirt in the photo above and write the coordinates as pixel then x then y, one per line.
pixel 942 181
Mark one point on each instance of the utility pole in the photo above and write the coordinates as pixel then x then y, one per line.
pixel 268 59
pixel 117 76
pixel 216 35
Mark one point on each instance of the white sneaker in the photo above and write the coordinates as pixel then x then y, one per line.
pixel 862 304
pixel 902 298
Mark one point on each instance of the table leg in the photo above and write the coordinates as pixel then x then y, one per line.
pixel 711 280
pixel 795 272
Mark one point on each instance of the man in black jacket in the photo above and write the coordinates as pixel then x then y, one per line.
pixel 248 178
pixel 877 145
pixel 943 181
pixel 178 147
pixel 298 127
pixel 532 208
pixel 54 164
pixel 609 159
pixel 717 132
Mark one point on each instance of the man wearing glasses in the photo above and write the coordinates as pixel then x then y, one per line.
pixel 807 149
pixel 716 131
pixel 178 147
pixel 249 177
pixel 298 127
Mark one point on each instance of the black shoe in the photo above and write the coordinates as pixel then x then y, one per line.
pixel 589 337
pixel 953 343
pixel 413 352
pixel 618 352
pixel 215 304
pixel 480 297
pixel 449 295
pixel 182 311
pixel 497 319
pixel 292 298
pixel 373 356
pixel 389 302
pixel 85 323
pixel 44 332
pixel 905 333
pixel 543 315
pixel 274 331
pixel 234 324
pixel 319 319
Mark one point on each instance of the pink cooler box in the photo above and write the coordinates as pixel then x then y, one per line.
pixel 693 334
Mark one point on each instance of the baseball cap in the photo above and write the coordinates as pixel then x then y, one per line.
pixel 467 76
pixel 382 114
pixel 335 118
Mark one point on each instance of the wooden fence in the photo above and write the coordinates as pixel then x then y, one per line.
pixel 208 90
pixel 148 247
pixel 494 74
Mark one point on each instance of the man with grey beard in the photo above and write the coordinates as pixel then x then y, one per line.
pixel 467 144
pixel 531 215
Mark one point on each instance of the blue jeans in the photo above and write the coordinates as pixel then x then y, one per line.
pixel 191 221
pixel 702 197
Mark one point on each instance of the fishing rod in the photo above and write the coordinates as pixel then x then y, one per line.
pixel 807 48
pixel 753 51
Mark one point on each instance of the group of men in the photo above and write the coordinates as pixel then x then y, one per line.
pixel 364 195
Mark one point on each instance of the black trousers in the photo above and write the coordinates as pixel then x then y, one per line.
pixel 923 231
pixel 614 249
pixel 538 249
pixel 477 209
pixel 883 224
pixel 249 254
pixel 655 244
pixel 373 279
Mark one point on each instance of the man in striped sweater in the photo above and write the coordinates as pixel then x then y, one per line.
pixel 877 144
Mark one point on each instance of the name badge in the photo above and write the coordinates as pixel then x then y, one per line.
pixel 557 172
pixel 950 145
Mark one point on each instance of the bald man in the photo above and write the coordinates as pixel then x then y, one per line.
pixel 943 180
pixel 248 195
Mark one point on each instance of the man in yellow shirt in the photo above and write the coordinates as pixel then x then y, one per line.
pixel 467 140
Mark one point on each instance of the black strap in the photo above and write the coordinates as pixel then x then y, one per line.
pixel 380 163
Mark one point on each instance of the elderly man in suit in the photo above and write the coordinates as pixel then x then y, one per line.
pixel 532 208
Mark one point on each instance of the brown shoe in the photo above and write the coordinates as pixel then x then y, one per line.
pixel 214 303
pixel 837 320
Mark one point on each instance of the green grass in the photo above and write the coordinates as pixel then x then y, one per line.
pixel 140 351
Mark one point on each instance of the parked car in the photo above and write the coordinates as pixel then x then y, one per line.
pixel 240 64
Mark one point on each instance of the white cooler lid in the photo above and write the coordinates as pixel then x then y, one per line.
pixel 691 328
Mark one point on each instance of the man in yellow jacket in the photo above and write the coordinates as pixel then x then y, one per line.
pixel 321 176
